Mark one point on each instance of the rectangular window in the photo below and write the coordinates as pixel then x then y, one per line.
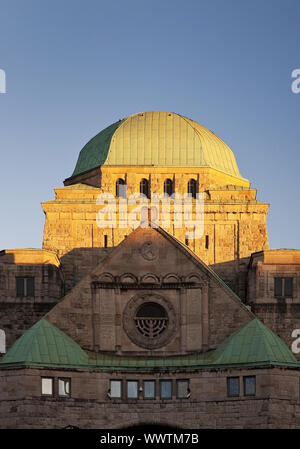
pixel 166 389
pixel 25 286
pixel 278 286
pixel 20 286
pixel 149 389
pixel 64 387
pixel 30 287
pixel 233 386
pixel 105 241
pixel 249 385
pixel 47 386
pixel 206 242
pixel 132 389
pixel 288 287
pixel 183 390
pixel 283 287
pixel 187 241
pixel 115 389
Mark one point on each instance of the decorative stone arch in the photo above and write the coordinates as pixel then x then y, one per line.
pixel 150 278
pixel 171 278
pixel 193 277
pixel 2 342
pixel 128 278
pixel 106 277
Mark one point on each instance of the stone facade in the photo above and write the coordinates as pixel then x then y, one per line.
pixel 276 404
pixel 234 221
pixel 19 313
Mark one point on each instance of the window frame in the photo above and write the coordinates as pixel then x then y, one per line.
pixel 244 386
pixel 68 395
pixel 160 389
pixel 137 389
pixel 152 397
pixel 283 288
pixel 145 187
pixel 121 388
pixel 177 390
pixel 291 279
pixel 228 387
pixel 121 182
pixel 207 241
pixel 192 188
pixel 52 385
pixel 168 187
pixel 25 288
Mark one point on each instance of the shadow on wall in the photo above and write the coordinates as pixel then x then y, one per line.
pixel 79 262
pixel 234 273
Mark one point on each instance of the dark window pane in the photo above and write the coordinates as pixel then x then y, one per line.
pixel 20 286
pixel 288 287
pixel 249 385
pixel 206 241
pixel 144 187
pixel 233 386
pixel 168 187
pixel 166 389
pixel 132 389
pixel 149 389
pixel 278 286
pixel 30 287
pixel 151 310
pixel 192 186
pixel 182 388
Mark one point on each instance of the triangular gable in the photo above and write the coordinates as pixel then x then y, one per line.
pixel 212 311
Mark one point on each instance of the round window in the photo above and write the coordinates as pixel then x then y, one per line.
pixel 151 319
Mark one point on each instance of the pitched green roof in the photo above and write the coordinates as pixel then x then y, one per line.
pixel 252 345
pixel 44 344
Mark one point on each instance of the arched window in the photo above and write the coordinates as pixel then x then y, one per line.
pixel 168 187
pixel 121 188
pixel 192 188
pixel 144 187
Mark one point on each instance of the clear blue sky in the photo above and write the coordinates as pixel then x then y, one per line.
pixel 74 67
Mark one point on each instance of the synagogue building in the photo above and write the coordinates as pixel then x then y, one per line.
pixel 155 298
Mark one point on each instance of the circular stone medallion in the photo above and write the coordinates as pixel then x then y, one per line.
pixel 149 251
pixel 149 320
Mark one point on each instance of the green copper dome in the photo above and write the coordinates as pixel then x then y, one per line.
pixel 159 139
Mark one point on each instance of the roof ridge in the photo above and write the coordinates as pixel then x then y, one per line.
pixel 205 266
